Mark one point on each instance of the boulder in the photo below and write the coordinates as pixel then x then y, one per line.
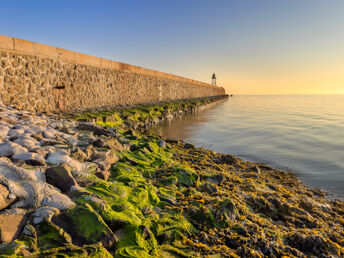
pixel 3 131
pixel 26 142
pixel 78 154
pixel 228 210
pixel 61 177
pixel 85 226
pixel 208 188
pixel 29 158
pixel 44 213
pixel 59 201
pixel 4 197
pixel 215 179
pixel 90 127
pixel 8 149
pixel 104 158
pixel 10 231
pixel 105 174
pixel 162 143
pixel 62 156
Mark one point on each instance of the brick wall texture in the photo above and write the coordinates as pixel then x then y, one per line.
pixel 42 78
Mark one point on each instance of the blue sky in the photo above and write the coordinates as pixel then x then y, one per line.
pixel 255 47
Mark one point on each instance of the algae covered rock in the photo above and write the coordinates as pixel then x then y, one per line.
pixel 186 177
pixel 85 226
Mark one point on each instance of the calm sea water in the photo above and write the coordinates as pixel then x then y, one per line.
pixel 302 134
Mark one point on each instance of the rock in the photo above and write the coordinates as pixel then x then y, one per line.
pixel 15 132
pixel 126 147
pixel 11 226
pixel 49 133
pixel 215 179
pixel 45 142
pixel 167 199
pixel 229 210
pixel 38 136
pixel 60 139
pixel 162 143
pixel 208 188
pixel 61 156
pixel 26 142
pixel 89 150
pixel 4 131
pixel 27 186
pixel 186 177
pixel 44 213
pixel 29 158
pixel 79 155
pixel 59 201
pixel 4 197
pixel 99 143
pixel 90 127
pixel 9 149
pixel 105 174
pixel 104 158
pixel 61 177
pixel 113 144
pixel 86 226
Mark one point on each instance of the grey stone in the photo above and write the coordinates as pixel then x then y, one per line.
pixel 9 149
pixel 58 200
pixel 4 197
pixel 44 213
pixel 30 158
pixel 61 177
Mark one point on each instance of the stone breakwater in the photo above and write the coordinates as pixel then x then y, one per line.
pixel 102 189
pixel 43 78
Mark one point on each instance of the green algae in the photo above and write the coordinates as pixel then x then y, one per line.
pixel 136 241
pixel 51 236
pixel 85 223
pixel 11 249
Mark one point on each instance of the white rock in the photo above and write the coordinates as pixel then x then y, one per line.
pixel 44 213
pixel 49 133
pixel 29 156
pixel 72 140
pixel 4 131
pixel 15 132
pixel 28 186
pixel 62 156
pixel 58 200
pixel 27 142
pixel 8 149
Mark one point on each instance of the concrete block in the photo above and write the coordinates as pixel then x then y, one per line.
pixel 23 45
pixel 46 50
pixel 87 59
pixel 66 54
pixel 6 42
pixel 106 63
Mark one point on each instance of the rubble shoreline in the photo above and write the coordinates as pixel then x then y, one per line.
pixel 101 185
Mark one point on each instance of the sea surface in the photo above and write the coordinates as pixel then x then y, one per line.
pixel 303 134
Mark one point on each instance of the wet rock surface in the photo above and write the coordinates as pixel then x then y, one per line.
pixel 104 189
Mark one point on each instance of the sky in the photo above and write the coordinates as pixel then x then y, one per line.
pixel 253 46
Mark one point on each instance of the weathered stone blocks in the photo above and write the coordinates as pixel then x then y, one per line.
pixel 43 78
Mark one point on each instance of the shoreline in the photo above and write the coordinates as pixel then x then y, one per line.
pixel 104 186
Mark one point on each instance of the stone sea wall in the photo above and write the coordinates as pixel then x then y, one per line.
pixel 43 78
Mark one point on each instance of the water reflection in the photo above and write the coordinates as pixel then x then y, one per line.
pixel 304 134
